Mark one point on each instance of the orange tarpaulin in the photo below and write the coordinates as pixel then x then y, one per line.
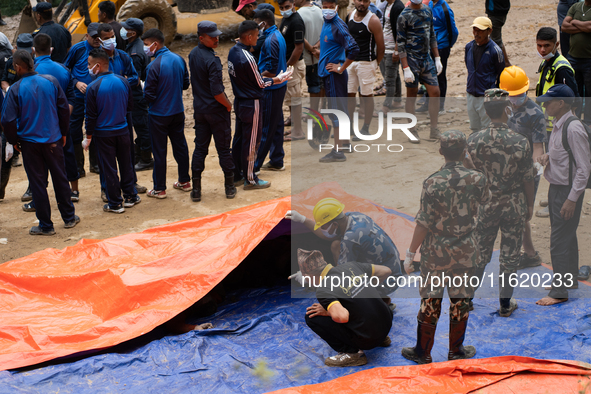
pixel 97 294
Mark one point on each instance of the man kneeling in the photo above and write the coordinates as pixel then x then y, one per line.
pixel 350 317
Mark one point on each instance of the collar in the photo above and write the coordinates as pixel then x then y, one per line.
pixel 43 58
pixel 325 270
pixel 115 54
pixel 452 164
pixel 48 23
pixel 104 73
pixel 553 58
pixel 29 74
pixel 243 46
pixel 201 46
pixel 270 30
pixel 558 123
pixel 160 51
pixel 88 46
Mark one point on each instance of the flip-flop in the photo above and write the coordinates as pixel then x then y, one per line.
pixel 380 92
pixel 287 122
pixel 287 132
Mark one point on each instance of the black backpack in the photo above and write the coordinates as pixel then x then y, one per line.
pixel 567 148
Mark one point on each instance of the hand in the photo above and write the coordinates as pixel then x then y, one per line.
pixel 298 277
pixel 438 65
pixel 530 213
pixel 408 266
pixel 334 68
pixel 9 151
pixel 285 75
pixel 568 209
pixel 409 77
pixel 395 57
pixel 229 108
pixel 81 86
pixel 316 310
pixel 64 140
pixel 543 160
pixel 315 52
pixel 86 143
pixel 295 216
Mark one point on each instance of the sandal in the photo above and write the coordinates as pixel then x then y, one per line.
pixel 287 122
pixel 380 92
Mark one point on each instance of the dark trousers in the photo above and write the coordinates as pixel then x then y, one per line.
pixel 5 168
pixel 565 44
pixel 564 248
pixel 38 160
pixel 247 136
pixel 139 115
pixel 219 126
pixel 582 69
pixel 335 87
pixel 442 78
pixel 113 151
pixel 272 136
pixel 77 119
pixel 70 160
pixel 161 129
pixel 131 155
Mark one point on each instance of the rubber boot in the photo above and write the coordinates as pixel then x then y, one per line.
pixel 146 162
pixel 421 353
pixel 229 186
pixel 457 332
pixel 79 153
pixel 196 192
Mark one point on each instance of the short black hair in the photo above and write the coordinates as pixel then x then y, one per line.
pixel 155 35
pixel 265 16
pixel 495 109
pixel 104 27
pixel 108 7
pixel 42 44
pixel 246 27
pixel 455 153
pixel 547 34
pixel 23 58
pixel 280 2
pixel 329 1
pixel 99 53
pixel 46 15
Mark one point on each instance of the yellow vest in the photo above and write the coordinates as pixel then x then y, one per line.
pixel 549 81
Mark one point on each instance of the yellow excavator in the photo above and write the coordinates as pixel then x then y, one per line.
pixel 170 16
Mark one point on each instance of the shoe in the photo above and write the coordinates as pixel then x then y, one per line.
pixel 239 181
pixel 386 342
pixel 2 22
pixel 346 360
pixel 229 187
pixel 104 195
pixel 421 353
pixel 259 185
pixel 347 148
pixel 95 169
pixel 36 230
pixel 131 201
pixel 457 333
pixel 81 173
pixel 543 213
pixel 418 139
pixel 434 135
pixel 270 167
pixel 333 157
pixel 157 193
pixel 27 196
pixel 543 203
pixel 17 162
pixel 584 272
pixel 140 189
pixel 75 196
pixel 471 306
pixel 424 107
pixel 526 262
pixel 117 209
pixel 196 192
pixel 507 311
pixel 73 223
pixel 29 207
pixel 184 186
pixel 145 163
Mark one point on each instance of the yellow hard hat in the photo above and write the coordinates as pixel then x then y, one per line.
pixel 514 80
pixel 326 210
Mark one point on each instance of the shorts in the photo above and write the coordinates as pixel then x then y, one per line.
pixel 498 21
pixel 362 76
pixel 293 95
pixel 424 72
pixel 313 81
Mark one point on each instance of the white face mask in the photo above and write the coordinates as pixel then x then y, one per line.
pixel 549 55
pixel 148 51
pixel 94 70
pixel 328 14
pixel 110 44
pixel 327 233
pixel 287 13
pixel 123 33
pixel 518 101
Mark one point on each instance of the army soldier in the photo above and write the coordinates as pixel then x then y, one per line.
pixel 445 231
pixel 505 157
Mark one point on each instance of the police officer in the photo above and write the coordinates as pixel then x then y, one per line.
pixel 132 30
pixel 166 78
pixel 445 231
pixel 36 115
pixel 106 14
pixel 211 109
pixel 109 101
pixel 505 158
pixel 60 36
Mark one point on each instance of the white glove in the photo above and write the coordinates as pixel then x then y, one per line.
pixel 408 268
pixel 295 216
pixel 9 151
pixel 438 65
pixel 409 77
pixel 85 143
pixel 298 277
pixel 285 75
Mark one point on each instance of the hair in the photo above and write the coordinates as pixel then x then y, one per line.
pixel 266 16
pixel 154 34
pixel 547 34
pixel 99 54
pixel 280 2
pixel 246 27
pixel 495 109
pixel 104 27
pixel 42 44
pixel 23 58
pixel 329 1
pixel 455 153
pixel 108 7
pixel 46 15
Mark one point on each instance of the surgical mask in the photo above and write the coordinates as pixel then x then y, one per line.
pixel 94 70
pixel 328 14
pixel 123 33
pixel 287 13
pixel 416 1
pixel 548 56
pixel 110 44
pixel 518 101
pixel 509 112
pixel 327 233
pixel 148 51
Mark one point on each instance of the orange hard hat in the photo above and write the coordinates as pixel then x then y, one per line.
pixel 514 80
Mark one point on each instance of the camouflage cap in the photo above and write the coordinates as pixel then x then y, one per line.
pixel 452 139
pixel 496 95
pixel 310 262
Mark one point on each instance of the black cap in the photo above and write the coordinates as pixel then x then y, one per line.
pixel 209 28
pixel 134 24
pixel 92 29
pixel 40 7
pixel 25 41
pixel 558 92
pixel 266 6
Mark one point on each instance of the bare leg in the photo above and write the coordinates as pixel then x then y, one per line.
pixel 296 122
pixel 368 104
pixel 528 245
pixel 74 185
pixel 433 93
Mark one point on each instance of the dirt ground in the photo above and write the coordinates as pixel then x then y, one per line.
pixel 390 179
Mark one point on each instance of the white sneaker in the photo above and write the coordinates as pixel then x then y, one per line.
pixel 347 360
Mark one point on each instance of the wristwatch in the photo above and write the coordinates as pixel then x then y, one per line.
pixel 339 69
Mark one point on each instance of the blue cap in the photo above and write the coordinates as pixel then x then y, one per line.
pixel 92 29
pixel 40 7
pixel 25 41
pixel 266 6
pixel 209 28
pixel 558 92
pixel 134 24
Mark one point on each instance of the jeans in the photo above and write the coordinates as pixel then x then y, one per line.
pixel 582 67
pixel 391 73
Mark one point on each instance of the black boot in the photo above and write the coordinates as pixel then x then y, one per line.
pixel 229 186
pixel 196 192
pixel 457 332
pixel 79 153
pixel 146 162
pixel 421 353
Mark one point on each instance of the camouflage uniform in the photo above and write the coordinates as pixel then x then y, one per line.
pixel 449 207
pixel 416 37
pixel 505 157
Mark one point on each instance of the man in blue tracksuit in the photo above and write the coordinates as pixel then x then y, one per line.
pixel 248 85
pixel 272 61
pixel 109 102
pixel 166 78
pixel 35 114
pixel 77 62
pixel 335 40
